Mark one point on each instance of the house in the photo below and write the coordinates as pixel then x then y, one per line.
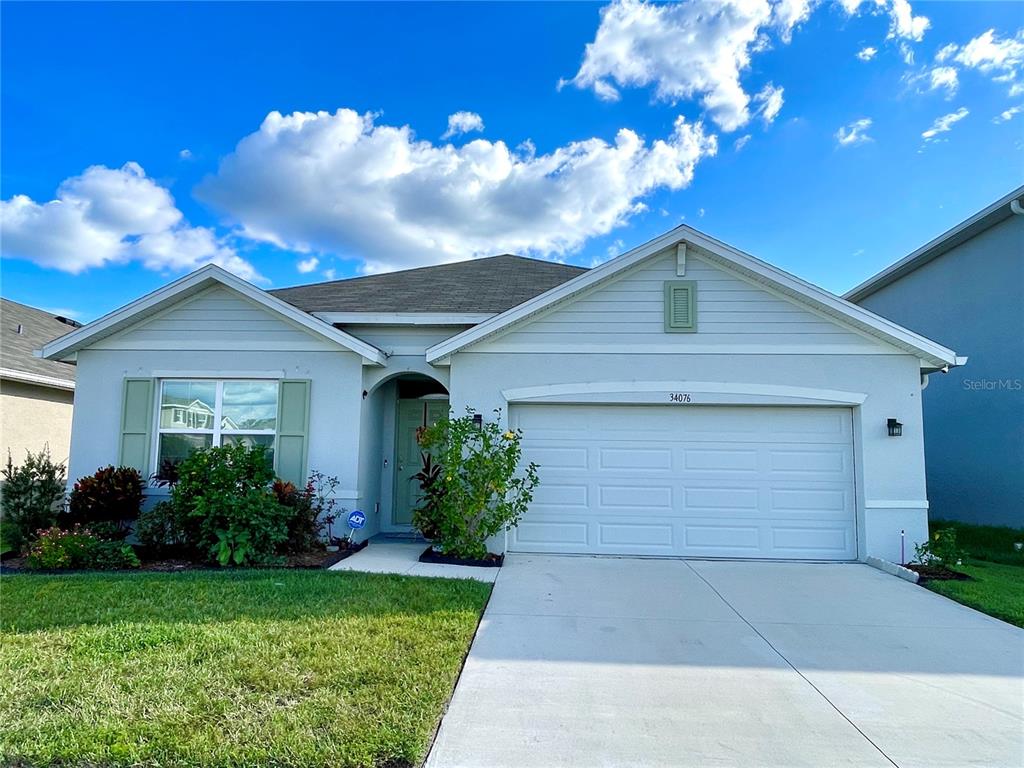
pixel 36 395
pixel 683 398
pixel 966 287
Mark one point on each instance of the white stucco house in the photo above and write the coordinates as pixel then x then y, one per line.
pixel 683 399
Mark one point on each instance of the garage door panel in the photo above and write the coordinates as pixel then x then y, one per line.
pixel 700 481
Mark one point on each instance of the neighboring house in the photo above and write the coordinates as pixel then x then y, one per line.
pixel 681 399
pixel 36 396
pixel 966 287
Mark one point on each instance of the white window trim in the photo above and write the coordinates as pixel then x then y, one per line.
pixel 218 406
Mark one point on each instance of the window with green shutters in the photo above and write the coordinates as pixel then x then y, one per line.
pixel 680 306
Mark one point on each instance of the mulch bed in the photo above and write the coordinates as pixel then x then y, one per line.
pixel 431 556
pixel 936 572
pixel 316 560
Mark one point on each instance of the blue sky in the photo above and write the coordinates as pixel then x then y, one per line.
pixel 149 123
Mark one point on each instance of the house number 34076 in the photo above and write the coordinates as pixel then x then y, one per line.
pixel 679 397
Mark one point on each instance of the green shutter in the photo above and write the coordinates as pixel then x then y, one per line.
pixel 680 306
pixel 292 431
pixel 136 424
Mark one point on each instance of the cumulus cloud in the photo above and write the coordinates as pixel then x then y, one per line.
pixel 685 50
pixel 769 101
pixel 463 122
pixel 904 24
pixel 867 54
pixel 1007 114
pixel 944 124
pixel 854 133
pixel 340 183
pixel 111 215
pixel 308 265
pixel 944 77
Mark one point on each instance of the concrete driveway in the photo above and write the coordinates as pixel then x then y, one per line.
pixel 584 661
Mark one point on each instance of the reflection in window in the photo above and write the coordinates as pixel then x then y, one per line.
pixel 200 414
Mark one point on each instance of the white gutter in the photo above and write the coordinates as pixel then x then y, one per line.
pixel 35 378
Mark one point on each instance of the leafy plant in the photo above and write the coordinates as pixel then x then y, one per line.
pixel 79 548
pixel 107 500
pixel 312 510
pixel 33 494
pixel 159 529
pixel 941 547
pixel 425 516
pixel 167 475
pixel 478 490
pixel 225 506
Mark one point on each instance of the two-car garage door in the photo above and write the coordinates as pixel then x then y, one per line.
pixel 699 481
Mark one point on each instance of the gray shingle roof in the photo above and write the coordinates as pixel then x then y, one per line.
pixel 491 284
pixel 37 328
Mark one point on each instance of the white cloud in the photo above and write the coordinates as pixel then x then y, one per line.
pixel 741 142
pixel 944 77
pixel 185 154
pixel 990 53
pixel 854 133
pixel 946 51
pixel 944 124
pixel 111 215
pixel 685 50
pixel 306 266
pixel 338 183
pixel 904 24
pixel 770 103
pixel 867 54
pixel 463 122
pixel 330 274
pixel 1007 114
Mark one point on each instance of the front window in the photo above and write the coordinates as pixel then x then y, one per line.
pixel 201 414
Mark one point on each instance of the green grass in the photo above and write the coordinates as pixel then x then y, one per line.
pixel 995 567
pixel 996 589
pixel 228 669
pixel 986 542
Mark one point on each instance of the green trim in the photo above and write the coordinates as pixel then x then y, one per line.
pixel 292 451
pixel 676 290
pixel 136 424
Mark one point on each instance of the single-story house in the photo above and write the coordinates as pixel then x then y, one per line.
pixel 966 287
pixel 682 399
pixel 36 395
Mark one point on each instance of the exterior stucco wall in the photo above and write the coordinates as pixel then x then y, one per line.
pixel 32 418
pixel 335 402
pixel 889 473
pixel 972 300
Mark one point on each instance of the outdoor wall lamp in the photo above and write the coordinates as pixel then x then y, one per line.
pixel 894 427
pixel 478 420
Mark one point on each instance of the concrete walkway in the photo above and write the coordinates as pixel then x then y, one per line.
pixel 384 555
pixel 629 662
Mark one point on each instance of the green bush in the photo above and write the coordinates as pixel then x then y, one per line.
pixel 107 500
pixel 79 548
pixel 478 492
pixel 159 529
pixel 427 514
pixel 32 495
pixel 311 509
pixel 941 546
pixel 225 507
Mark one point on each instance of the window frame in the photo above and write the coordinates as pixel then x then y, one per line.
pixel 217 432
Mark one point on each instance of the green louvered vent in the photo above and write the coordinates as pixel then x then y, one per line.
pixel 680 306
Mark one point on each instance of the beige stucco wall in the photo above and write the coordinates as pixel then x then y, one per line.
pixel 32 417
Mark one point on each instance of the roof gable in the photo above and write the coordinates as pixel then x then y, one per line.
pixel 191 285
pixel 714 252
pixel 25 329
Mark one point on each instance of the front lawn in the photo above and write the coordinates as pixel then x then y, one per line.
pixel 229 668
pixel 995 567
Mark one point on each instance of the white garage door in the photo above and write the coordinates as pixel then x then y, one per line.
pixel 698 481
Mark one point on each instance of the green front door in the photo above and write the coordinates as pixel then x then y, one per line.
pixel 412 416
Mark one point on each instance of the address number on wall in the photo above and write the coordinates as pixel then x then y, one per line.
pixel 679 397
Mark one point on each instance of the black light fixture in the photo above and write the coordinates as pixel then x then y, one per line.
pixel 894 427
pixel 478 420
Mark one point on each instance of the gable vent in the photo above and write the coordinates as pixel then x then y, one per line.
pixel 680 306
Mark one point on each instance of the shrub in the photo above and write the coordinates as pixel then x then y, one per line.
pixel 79 548
pixel 107 500
pixel 479 493
pixel 159 529
pixel 33 494
pixel 425 517
pixel 941 546
pixel 312 508
pixel 225 507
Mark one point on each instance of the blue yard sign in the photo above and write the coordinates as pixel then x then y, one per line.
pixel 356 520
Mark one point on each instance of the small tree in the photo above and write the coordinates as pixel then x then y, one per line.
pixel 33 494
pixel 478 492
